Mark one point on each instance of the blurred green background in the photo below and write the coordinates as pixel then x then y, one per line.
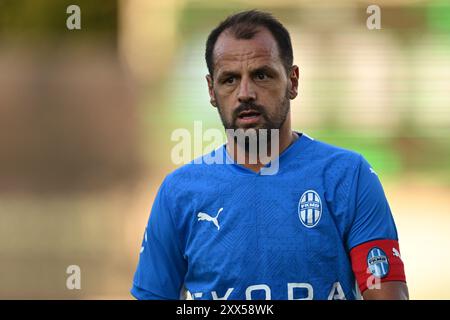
pixel 86 118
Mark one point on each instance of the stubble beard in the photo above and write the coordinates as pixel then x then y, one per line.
pixel 262 133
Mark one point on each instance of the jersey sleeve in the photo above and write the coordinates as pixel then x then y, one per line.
pixel 372 218
pixel 161 268
pixel 372 240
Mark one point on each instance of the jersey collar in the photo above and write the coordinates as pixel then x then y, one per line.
pixel 293 150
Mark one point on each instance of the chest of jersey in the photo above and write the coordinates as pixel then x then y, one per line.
pixel 277 234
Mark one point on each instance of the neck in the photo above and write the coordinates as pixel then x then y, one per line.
pixel 286 138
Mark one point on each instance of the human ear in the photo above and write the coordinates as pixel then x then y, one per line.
pixel 293 78
pixel 212 95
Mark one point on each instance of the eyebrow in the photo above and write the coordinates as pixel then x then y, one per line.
pixel 265 68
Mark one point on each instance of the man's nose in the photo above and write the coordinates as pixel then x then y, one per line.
pixel 246 91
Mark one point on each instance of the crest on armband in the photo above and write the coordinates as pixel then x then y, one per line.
pixel 377 262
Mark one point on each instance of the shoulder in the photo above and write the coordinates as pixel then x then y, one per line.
pixel 196 174
pixel 336 156
pixel 339 168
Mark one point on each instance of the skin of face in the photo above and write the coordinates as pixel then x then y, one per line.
pixel 250 76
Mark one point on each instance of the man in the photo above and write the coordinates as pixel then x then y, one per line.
pixel 319 227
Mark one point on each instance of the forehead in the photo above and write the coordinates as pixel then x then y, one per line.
pixel 230 52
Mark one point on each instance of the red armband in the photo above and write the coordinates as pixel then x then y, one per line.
pixel 377 261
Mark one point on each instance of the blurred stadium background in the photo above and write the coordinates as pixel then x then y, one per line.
pixel 86 118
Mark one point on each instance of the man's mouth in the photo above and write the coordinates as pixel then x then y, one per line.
pixel 249 115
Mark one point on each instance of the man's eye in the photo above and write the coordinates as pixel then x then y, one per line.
pixel 230 80
pixel 261 76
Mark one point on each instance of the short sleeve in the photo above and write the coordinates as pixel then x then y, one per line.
pixel 372 218
pixel 161 268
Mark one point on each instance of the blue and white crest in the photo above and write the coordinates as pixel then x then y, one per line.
pixel 310 208
pixel 377 262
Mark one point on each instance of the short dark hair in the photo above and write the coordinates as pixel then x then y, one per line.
pixel 244 25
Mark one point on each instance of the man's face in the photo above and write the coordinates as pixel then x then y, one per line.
pixel 250 87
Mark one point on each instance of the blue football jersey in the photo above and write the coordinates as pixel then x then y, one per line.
pixel 222 231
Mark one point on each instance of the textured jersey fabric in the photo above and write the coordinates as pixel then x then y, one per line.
pixel 222 231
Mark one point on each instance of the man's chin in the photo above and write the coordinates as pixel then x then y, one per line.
pixel 258 132
pixel 250 126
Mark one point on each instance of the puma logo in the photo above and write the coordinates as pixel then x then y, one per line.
pixel 396 253
pixel 145 240
pixel 204 216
